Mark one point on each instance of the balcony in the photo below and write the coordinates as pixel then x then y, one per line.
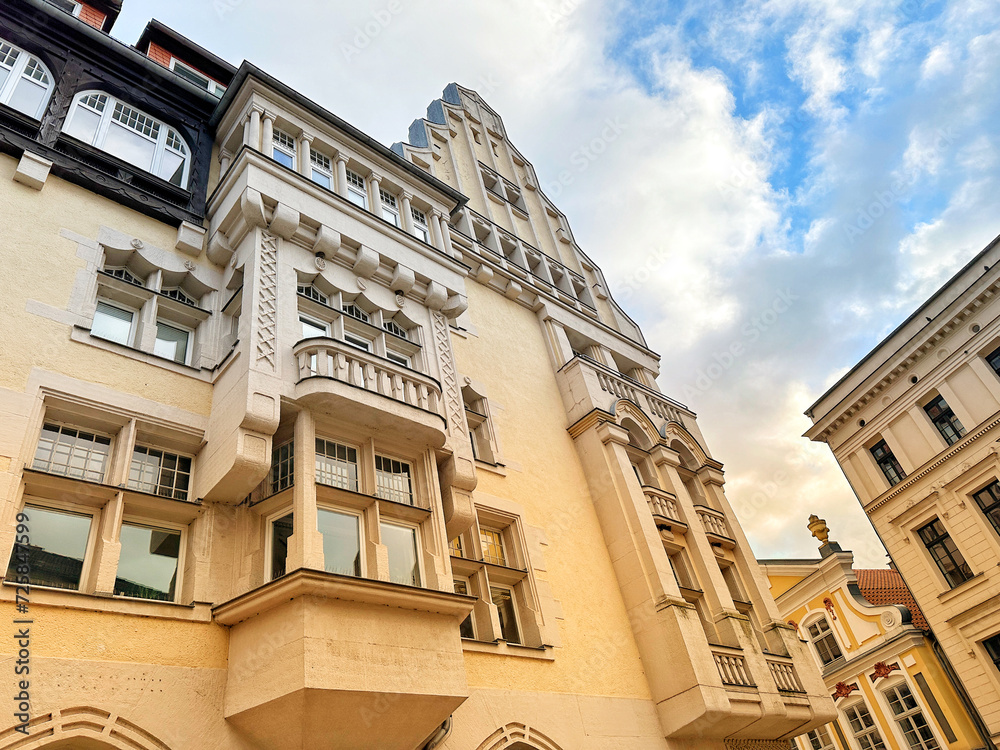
pixel 587 385
pixel 716 527
pixel 322 660
pixel 663 506
pixel 364 388
pixel 784 674
pixel 732 667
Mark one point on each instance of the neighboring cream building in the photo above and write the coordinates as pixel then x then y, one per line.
pixel 312 443
pixel 877 655
pixel 915 427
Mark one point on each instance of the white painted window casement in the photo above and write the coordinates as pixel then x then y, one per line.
pixel 25 83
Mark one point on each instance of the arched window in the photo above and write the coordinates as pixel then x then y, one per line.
pixel 25 83
pixel 104 122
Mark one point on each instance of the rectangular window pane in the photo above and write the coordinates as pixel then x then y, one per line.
pixel 504 601
pixel 336 465
pixel 280 531
pixel 321 179
pixel 71 452
pixel 282 158
pixel 357 198
pixel 112 323
pixel 57 544
pixel 466 629
pixel 84 124
pixel 493 551
pixel 401 543
pixel 311 329
pixel 159 473
pixel 28 96
pixel 341 542
pixel 147 567
pixel 171 343
pixel 393 480
pixel 282 467
pixel 130 146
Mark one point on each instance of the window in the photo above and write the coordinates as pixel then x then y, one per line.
pixel 71 452
pixel 358 342
pixel 401 544
pixel 147 566
pixel 200 80
pixel 477 419
pixel 992 646
pixel 284 149
pixel 356 312
pixel 113 323
pixel 945 420
pixel 395 329
pixel 356 189
pixel 53 549
pixel 863 727
pixel 125 275
pixel 467 628
pixel 25 83
pixel 281 529
pixel 993 360
pixel 180 296
pixel 910 718
pixel 455 547
pixel 311 292
pixel 493 551
pixel 393 480
pixel 282 467
pixel 160 473
pixel 824 641
pixel 390 211
pixel 112 126
pixel 988 500
pixel 887 463
pixel 399 359
pixel 819 739
pixel 312 328
pixel 341 542
pixel 171 342
pixel 336 465
pixel 420 224
pixel 945 553
pixel 67 6
pixel 503 598
pixel 322 169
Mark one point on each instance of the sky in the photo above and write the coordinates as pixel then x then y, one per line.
pixel 770 186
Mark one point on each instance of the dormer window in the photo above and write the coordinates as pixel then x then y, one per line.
pixel 420 224
pixel 322 169
pixel 356 189
pixel 200 80
pixel 390 212
pixel 284 149
pixel 114 127
pixel 25 83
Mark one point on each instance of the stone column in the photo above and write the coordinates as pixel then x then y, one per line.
pixel 405 215
pixel 267 134
pixel 305 545
pixel 225 159
pixel 341 185
pixel 434 225
pixel 305 153
pixel 374 199
pixel 253 132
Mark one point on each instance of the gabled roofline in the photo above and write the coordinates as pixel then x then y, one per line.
pixel 157 32
pixel 249 70
pixel 916 313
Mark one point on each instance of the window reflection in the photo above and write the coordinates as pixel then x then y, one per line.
pixel 281 529
pixel 341 542
pixel 57 544
pixel 401 543
pixel 147 567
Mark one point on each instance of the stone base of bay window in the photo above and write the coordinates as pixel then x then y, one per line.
pixel 322 661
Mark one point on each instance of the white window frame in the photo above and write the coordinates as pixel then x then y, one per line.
pixel 399 359
pixel 211 85
pixel 308 319
pixel 362 537
pixel 189 350
pixel 17 72
pixel 358 342
pixel 148 523
pixel 874 728
pixel 118 306
pixel 411 474
pixel 515 607
pixel 107 117
pixel 77 7
pixel 357 194
pixel 420 223
pixel 897 728
pixel 359 459
pixel 322 164
pixel 109 459
pixel 284 142
pixel 390 207
pixel 820 617
pixel 417 542
pixel 165 452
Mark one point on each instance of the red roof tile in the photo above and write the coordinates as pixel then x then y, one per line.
pixel 887 587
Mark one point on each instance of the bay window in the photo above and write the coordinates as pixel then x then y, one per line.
pixel 401 544
pixel 104 122
pixel 341 541
pixel 393 480
pixel 148 562
pixel 72 452
pixel 336 465
pixel 160 473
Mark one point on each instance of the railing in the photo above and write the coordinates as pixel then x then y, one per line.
pixel 329 358
pixel 621 387
pixel 785 677
pixel 732 669
pixel 713 521
pixel 661 504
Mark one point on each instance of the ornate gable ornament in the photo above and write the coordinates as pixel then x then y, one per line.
pixel 883 670
pixel 842 690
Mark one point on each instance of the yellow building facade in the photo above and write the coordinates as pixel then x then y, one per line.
pixel 309 442
pixel 914 426
pixel 876 653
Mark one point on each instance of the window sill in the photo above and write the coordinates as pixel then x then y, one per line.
pixel 498 469
pixel 42 596
pixel 82 335
pixel 963 588
pixel 502 648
